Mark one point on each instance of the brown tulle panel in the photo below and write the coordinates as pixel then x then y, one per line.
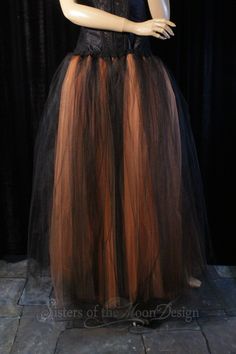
pixel 141 232
pixel 160 171
pixel 169 156
pixel 61 217
pixel 191 205
pixel 82 249
pixel 107 279
pixel 174 171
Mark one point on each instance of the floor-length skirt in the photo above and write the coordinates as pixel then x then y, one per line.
pixel 117 206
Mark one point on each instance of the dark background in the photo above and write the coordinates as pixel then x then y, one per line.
pixel 34 39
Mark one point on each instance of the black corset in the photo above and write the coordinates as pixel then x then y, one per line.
pixel 108 43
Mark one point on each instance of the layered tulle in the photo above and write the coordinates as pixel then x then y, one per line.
pixel 117 205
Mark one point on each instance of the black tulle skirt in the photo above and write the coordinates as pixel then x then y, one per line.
pixel 117 206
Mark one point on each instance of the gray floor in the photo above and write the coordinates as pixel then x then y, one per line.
pixel 200 321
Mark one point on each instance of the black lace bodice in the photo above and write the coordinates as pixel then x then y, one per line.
pixel 111 43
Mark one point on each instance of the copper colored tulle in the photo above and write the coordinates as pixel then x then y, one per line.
pixel 117 203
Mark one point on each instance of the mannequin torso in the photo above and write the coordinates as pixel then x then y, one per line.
pixel 100 15
pixel 105 42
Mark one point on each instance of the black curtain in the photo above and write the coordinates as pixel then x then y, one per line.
pixel 35 37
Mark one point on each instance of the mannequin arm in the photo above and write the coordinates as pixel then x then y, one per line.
pixel 159 8
pixel 92 17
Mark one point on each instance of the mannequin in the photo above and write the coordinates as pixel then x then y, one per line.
pixel 159 27
pixel 117 207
